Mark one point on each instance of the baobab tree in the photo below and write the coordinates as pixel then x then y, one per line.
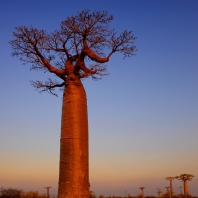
pixel 48 187
pixel 184 178
pixel 77 51
pixel 142 189
pixel 167 188
pixel 171 186
pixel 180 187
pixel 159 192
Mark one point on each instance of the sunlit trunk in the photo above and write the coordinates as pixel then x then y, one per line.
pixel 185 187
pixel 73 170
pixel 142 192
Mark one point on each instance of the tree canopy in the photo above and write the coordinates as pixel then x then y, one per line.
pixel 81 47
pixel 184 177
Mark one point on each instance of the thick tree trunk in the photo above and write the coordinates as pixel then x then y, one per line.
pixel 185 187
pixel 74 170
pixel 171 189
pixel 143 193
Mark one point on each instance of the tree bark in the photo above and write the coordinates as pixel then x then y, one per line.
pixel 185 187
pixel 143 193
pixel 74 165
pixel 171 189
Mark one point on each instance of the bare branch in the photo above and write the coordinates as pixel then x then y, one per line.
pixel 81 47
pixel 30 44
pixel 48 86
pixel 124 43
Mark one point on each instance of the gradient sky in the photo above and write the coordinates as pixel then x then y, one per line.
pixel 143 117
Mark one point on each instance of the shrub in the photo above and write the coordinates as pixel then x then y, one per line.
pixel 10 193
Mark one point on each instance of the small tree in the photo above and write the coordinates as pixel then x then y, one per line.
pixel 142 189
pixel 159 192
pixel 92 194
pixel 180 187
pixel 74 52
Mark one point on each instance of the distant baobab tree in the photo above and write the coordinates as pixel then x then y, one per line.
pixel 167 188
pixel 48 187
pixel 184 178
pixel 159 192
pixel 180 187
pixel 125 193
pixel 75 52
pixel 171 186
pixel 142 189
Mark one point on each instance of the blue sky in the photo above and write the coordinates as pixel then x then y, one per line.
pixel 143 117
